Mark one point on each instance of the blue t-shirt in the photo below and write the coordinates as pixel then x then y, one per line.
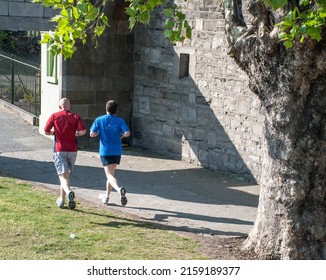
pixel 110 128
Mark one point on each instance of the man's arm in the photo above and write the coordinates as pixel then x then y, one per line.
pixel 126 134
pixel 80 132
pixel 93 134
pixel 48 127
pixel 51 132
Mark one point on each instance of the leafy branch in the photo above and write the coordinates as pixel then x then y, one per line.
pixel 176 28
pixel 78 18
pixel 75 20
pixel 302 21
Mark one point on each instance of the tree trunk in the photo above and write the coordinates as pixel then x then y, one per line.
pixel 291 84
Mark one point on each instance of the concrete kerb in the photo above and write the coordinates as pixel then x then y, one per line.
pixel 26 116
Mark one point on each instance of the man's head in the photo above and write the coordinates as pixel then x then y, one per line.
pixel 64 104
pixel 111 107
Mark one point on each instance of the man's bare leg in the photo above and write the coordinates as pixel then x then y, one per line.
pixel 64 185
pixel 111 182
pixel 65 190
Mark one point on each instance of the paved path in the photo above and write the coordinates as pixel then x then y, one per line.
pixel 170 192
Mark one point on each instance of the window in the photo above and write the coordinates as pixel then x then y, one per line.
pixel 184 65
pixel 51 66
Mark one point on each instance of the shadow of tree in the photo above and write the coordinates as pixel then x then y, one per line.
pixel 120 222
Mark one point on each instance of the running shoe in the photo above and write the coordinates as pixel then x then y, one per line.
pixel 123 196
pixel 104 198
pixel 71 200
pixel 60 202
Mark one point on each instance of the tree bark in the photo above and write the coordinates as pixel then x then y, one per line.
pixel 291 85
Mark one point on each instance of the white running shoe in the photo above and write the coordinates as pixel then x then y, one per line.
pixel 60 202
pixel 104 198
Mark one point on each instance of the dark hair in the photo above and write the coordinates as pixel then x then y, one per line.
pixel 111 107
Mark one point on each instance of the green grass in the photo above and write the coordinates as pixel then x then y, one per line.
pixel 32 227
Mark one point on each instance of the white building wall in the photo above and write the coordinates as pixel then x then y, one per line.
pixel 51 93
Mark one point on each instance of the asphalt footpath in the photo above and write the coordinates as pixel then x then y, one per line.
pixel 183 196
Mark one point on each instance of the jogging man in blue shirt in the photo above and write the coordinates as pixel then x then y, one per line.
pixel 111 130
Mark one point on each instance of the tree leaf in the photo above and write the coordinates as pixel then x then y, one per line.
pixel 288 44
pixel 132 22
pixel 98 30
pixel 275 4
pixel 168 12
pixel 189 32
pixel 64 12
pixel 144 17
pixel 62 23
pixel 167 33
pixel 315 33
pixel 75 12
pixel 169 24
pixel 132 12
pixel 82 8
pixel 93 13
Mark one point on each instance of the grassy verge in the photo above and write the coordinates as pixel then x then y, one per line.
pixel 32 227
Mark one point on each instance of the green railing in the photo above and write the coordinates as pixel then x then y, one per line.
pixel 20 84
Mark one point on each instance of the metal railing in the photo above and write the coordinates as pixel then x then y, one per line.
pixel 20 84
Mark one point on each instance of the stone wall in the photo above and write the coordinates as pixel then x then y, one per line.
pixel 209 117
pixel 96 75
pixel 24 15
pixel 189 101
pixel 93 76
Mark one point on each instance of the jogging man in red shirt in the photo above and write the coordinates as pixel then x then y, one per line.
pixel 66 126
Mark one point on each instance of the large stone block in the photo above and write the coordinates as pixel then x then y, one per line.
pixel 4 9
pixel 25 23
pixel 75 83
pixel 81 97
pixel 25 9
pixel 157 74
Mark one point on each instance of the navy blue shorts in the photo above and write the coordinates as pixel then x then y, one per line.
pixel 107 160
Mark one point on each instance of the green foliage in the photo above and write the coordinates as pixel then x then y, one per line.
pixel 139 11
pixel 74 21
pixel 3 35
pixel 79 17
pixel 176 28
pixel 305 20
pixel 275 4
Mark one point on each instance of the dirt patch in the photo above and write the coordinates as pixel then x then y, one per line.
pixel 223 248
